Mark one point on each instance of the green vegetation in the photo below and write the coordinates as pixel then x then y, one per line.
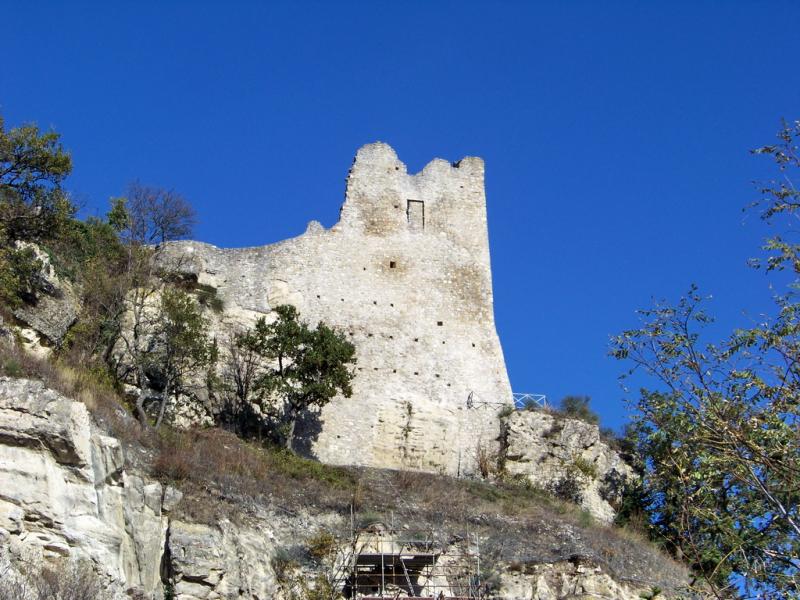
pixel 717 424
pixel 577 407
pixel 180 346
pixel 288 368
pixel 33 206
pixel 585 467
pixel 321 545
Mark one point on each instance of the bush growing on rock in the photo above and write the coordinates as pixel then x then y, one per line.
pixel 577 407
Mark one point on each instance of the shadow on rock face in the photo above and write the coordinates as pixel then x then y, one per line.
pixel 308 428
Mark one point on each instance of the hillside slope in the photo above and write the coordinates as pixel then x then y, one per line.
pixel 202 515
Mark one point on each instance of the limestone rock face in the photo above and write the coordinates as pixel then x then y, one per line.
pixel 55 310
pixel 64 491
pixel 568 580
pixel 224 562
pixel 563 454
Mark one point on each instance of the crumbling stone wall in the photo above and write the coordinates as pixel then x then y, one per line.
pixel 405 273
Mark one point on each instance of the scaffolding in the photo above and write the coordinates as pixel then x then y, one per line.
pixel 387 563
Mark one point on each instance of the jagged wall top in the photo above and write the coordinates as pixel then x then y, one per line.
pixel 382 198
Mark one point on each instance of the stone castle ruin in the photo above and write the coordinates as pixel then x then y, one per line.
pixel 405 274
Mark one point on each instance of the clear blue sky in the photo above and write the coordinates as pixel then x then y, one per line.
pixel 615 135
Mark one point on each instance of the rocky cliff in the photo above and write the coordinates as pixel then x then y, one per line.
pixel 566 457
pixel 68 492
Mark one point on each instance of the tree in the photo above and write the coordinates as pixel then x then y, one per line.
pixel 181 348
pixel 242 369
pixel 302 368
pixel 33 205
pixel 146 314
pixel 33 166
pixel 718 425
pixel 152 215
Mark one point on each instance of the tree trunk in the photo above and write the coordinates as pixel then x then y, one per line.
pixel 140 412
pixel 163 407
pixel 290 430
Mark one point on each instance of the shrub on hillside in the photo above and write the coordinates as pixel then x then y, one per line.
pixel 577 407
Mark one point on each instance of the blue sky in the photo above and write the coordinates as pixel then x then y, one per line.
pixel 615 134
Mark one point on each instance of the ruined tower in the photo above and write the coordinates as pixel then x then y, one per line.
pixel 405 274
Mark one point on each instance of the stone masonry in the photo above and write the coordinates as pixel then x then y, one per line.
pixel 405 274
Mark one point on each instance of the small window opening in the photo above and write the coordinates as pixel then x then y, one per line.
pixel 416 372
pixel 415 211
pixel 392 264
pixel 375 302
pixel 416 339
pixel 473 344
pixel 391 304
pixel 439 323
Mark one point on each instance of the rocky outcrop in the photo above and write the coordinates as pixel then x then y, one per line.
pixel 55 309
pixel 64 491
pixel 221 562
pixel 568 580
pixel 567 457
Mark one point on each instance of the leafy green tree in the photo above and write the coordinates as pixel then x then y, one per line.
pixel 172 347
pixel 301 368
pixel 718 425
pixel 182 347
pixel 33 205
pixel 33 166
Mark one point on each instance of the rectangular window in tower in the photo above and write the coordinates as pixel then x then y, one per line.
pixel 416 215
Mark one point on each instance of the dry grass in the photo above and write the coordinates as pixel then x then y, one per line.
pixel 61 581
pixel 93 388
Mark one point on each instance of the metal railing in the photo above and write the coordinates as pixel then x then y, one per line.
pixel 522 401
pixel 527 401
